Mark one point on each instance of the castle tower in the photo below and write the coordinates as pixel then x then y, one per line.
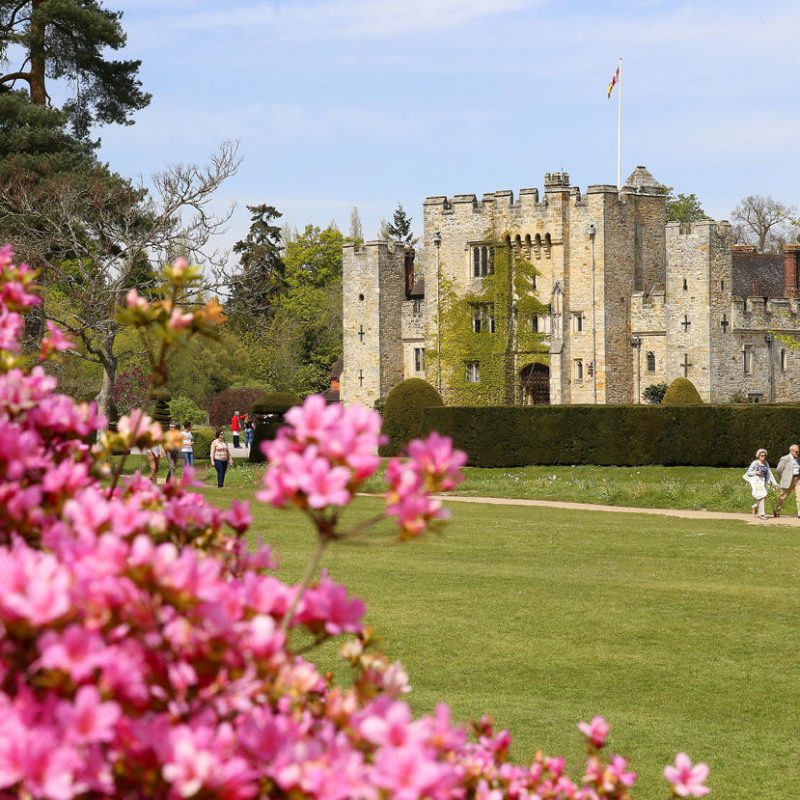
pixel 698 324
pixel 374 287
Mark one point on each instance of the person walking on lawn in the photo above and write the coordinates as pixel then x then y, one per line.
pixel 173 451
pixel 221 456
pixel 760 478
pixel 788 470
pixel 154 455
pixel 236 428
pixel 188 445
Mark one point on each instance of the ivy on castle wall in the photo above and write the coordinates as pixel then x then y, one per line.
pixel 501 353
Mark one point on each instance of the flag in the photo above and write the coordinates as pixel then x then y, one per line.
pixel 613 83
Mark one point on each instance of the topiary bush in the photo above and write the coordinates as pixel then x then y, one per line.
pixel 184 409
pixel 403 413
pixel 161 412
pixel 227 403
pixel 682 392
pixel 268 413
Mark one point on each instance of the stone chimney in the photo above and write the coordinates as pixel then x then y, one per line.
pixel 791 268
pixel 409 271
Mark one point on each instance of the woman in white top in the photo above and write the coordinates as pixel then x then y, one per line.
pixel 221 456
pixel 760 478
pixel 188 445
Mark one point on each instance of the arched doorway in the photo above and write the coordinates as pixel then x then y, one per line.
pixel 535 382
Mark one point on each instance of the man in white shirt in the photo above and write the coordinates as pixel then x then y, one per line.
pixel 788 470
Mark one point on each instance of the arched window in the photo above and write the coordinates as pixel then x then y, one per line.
pixel 537 245
pixel 548 245
pixel 651 361
pixel 518 245
pixel 484 260
pixel 476 262
pixel 528 246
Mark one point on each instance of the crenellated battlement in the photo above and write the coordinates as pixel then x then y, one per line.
pixel 556 181
pixel 762 314
pixel 366 249
pixel 530 202
pixel 705 230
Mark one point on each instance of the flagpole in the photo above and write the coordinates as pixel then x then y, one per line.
pixel 619 130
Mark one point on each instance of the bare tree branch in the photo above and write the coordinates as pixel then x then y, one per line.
pixel 97 236
pixel 762 221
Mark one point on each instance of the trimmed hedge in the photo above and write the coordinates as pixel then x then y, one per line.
pixel 403 411
pixel 268 412
pixel 693 435
pixel 201 446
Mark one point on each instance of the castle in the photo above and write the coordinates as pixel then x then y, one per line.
pixel 628 300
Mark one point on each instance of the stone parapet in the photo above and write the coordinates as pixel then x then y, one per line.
pixel 758 314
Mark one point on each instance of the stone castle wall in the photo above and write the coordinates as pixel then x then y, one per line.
pixel 648 313
pixel 668 285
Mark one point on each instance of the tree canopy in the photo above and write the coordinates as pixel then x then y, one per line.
pixel 69 39
pixel 684 208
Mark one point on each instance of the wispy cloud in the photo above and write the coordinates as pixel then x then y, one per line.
pixel 328 18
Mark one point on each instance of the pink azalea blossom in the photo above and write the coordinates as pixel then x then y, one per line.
pixel 75 651
pixel 55 342
pixel 89 720
pixel 327 603
pixel 595 731
pixel 179 320
pixel 687 779
pixel 135 300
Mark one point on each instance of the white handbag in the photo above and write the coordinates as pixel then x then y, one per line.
pixel 757 487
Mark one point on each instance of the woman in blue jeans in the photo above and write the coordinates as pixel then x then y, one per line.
pixel 248 432
pixel 220 456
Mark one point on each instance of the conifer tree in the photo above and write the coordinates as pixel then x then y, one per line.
pixel 68 39
pixel 261 277
pixel 400 227
pixel 356 232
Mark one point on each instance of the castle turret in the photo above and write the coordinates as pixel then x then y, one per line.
pixel 375 280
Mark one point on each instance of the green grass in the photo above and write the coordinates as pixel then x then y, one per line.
pixel 709 488
pixel 683 633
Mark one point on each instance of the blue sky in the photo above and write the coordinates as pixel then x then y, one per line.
pixel 338 103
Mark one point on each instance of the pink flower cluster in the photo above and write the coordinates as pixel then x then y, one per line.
pixel 322 456
pixel 325 453
pixel 432 466
pixel 132 665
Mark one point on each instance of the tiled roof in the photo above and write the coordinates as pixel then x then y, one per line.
pixel 336 369
pixel 757 275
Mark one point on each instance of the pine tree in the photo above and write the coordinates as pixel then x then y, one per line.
pixel 67 39
pixel 400 227
pixel 261 277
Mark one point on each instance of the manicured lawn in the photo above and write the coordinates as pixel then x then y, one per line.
pixel 710 488
pixel 683 633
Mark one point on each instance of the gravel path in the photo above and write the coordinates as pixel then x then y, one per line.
pixel 664 512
